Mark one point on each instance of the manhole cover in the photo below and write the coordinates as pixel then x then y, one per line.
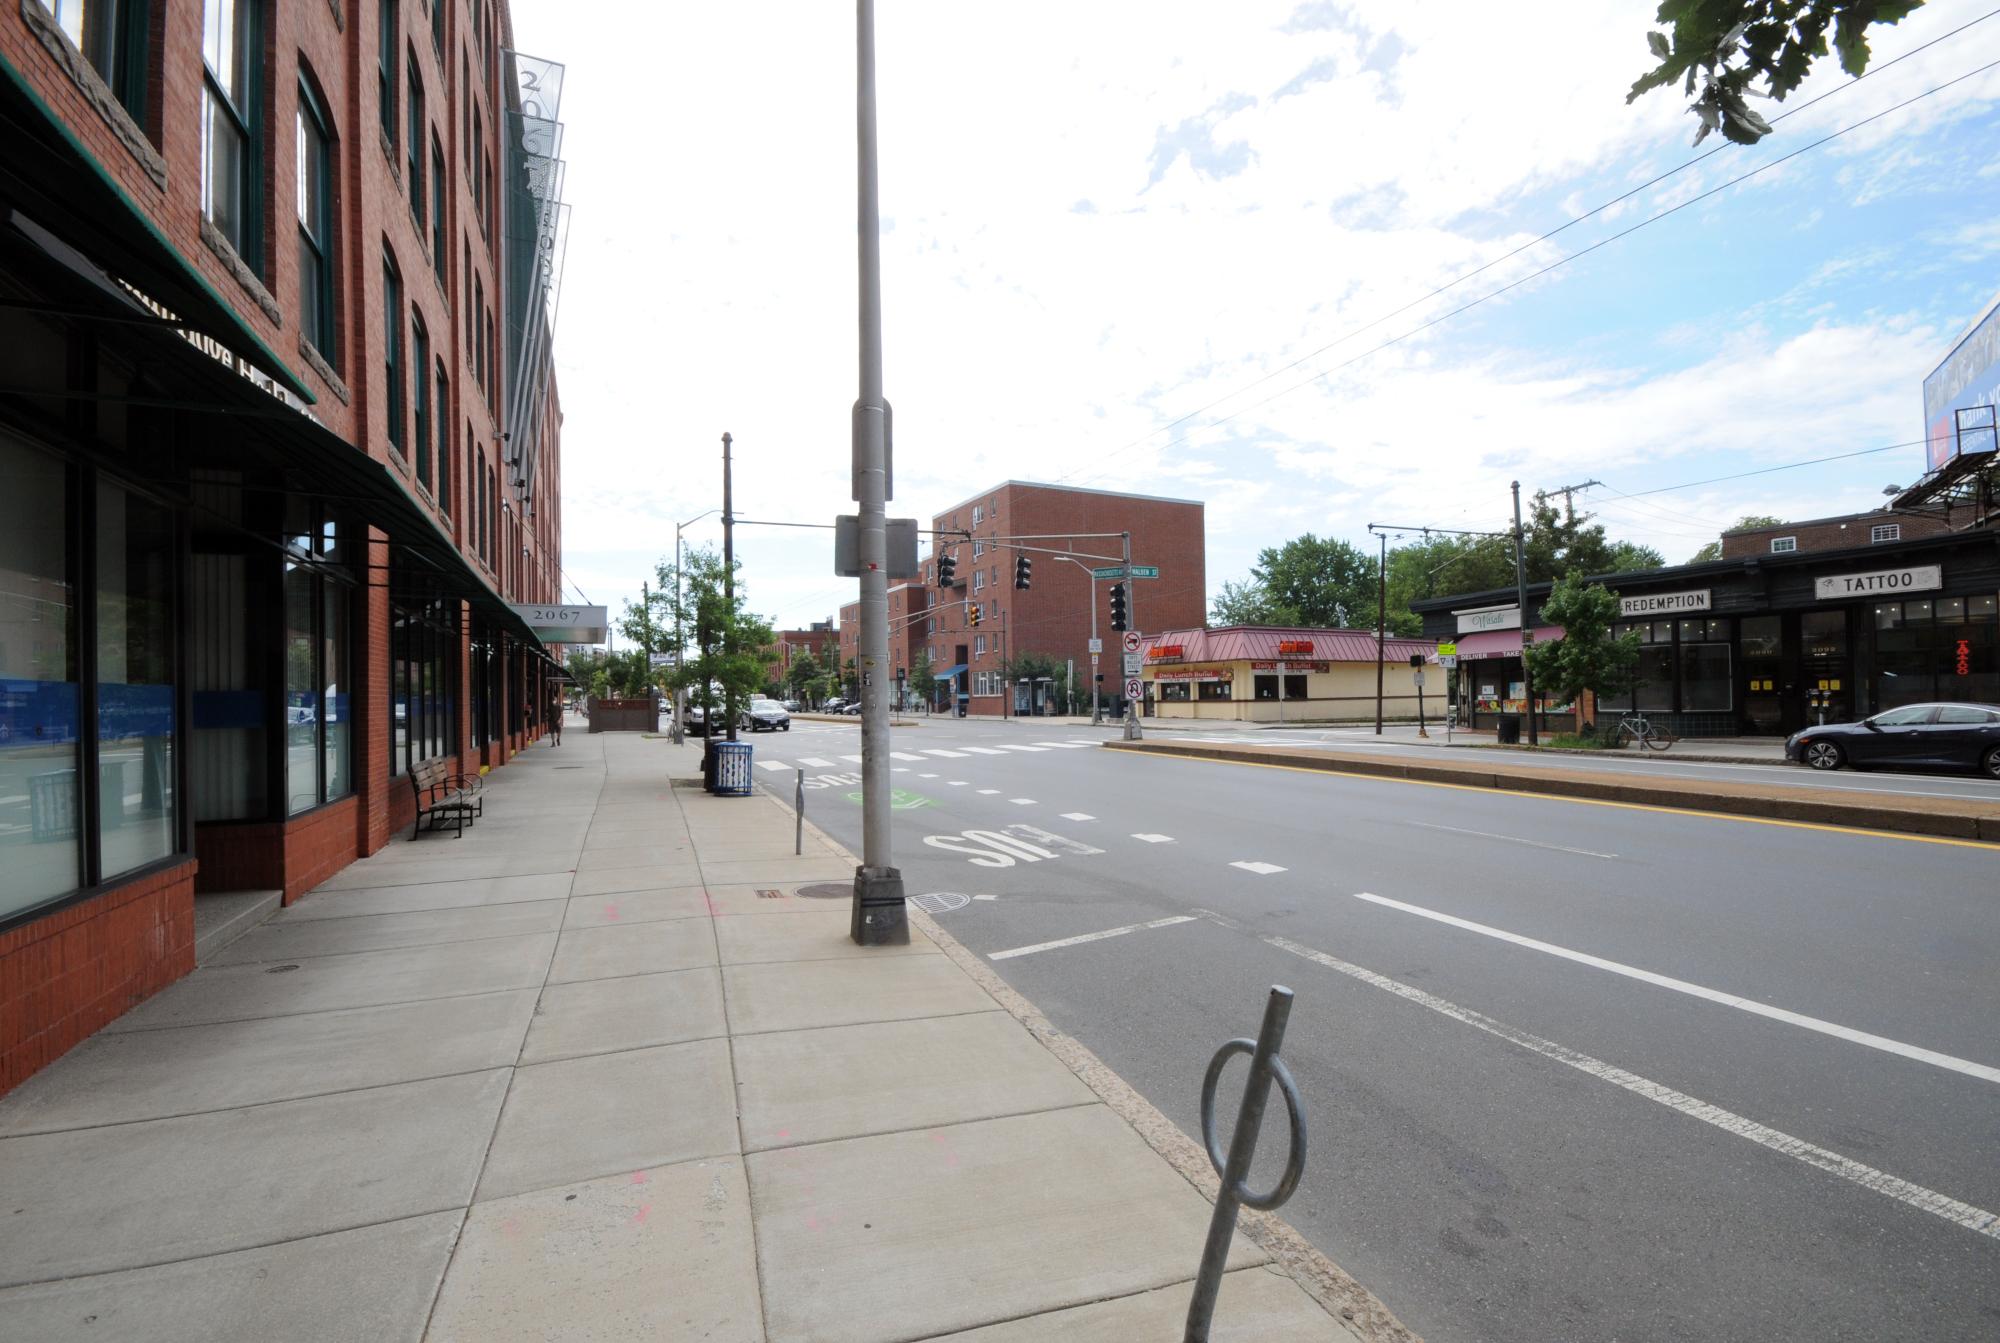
pixel 940 902
pixel 827 890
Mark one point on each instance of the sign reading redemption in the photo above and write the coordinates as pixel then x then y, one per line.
pixel 1918 578
pixel 1661 603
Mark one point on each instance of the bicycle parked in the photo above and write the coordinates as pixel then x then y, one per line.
pixel 1637 727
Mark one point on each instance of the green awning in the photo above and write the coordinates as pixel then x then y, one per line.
pixel 48 173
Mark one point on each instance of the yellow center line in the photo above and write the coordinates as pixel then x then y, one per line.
pixel 1583 801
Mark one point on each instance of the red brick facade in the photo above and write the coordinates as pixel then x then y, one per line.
pixel 65 974
pixel 1053 617
pixel 1883 527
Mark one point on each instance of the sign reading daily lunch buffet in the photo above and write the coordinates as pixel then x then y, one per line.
pixel 1919 578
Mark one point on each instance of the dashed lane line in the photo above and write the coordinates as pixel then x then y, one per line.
pixel 815 762
pixel 1261 869
pixel 1163 839
pixel 904 755
pixel 1089 937
pixel 1984 1072
pixel 1024 748
pixel 1078 816
pixel 1022 801
pixel 984 750
pixel 1881 1182
pixel 948 755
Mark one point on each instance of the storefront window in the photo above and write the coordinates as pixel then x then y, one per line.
pixel 1656 678
pixel 1266 686
pixel 336 714
pixel 1295 685
pixel 38 682
pixel 1947 649
pixel 135 680
pixel 1172 690
pixel 317 716
pixel 424 660
pixel 1706 683
pixel 1213 689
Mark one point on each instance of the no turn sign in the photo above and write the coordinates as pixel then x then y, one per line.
pixel 1132 688
pixel 1131 641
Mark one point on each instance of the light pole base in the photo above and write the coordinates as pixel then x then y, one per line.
pixel 880 918
pixel 1132 731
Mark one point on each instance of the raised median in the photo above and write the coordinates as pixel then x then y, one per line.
pixel 1944 817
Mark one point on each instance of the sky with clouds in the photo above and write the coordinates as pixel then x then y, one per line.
pixel 1185 248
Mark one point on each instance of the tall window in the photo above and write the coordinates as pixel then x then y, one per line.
pixel 385 58
pixel 441 413
pixel 392 348
pixel 229 123
pixel 136 699
pixel 318 720
pixel 112 35
pixel 316 260
pixel 478 157
pixel 437 31
pixel 415 145
pixel 440 259
pixel 420 396
pixel 423 682
pixel 478 500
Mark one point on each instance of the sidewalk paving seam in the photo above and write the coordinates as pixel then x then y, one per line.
pixel 500 1111
pixel 943 1127
pixel 735 1084
pixel 403 946
pixel 322 1011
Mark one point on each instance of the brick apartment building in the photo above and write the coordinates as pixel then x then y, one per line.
pixel 822 640
pixel 1881 527
pixel 280 444
pixel 1053 617
pixel 907 603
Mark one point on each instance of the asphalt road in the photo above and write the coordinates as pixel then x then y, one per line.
pixel 1664 1076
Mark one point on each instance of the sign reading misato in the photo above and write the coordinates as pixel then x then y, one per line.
pixel 1917 578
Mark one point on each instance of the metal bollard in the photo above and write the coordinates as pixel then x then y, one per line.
pixel 799 814
pixel 1265 1066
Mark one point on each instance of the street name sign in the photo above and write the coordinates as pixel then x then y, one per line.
pixel 1115 571
pixel 1144 571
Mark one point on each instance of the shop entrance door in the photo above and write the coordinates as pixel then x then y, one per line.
pixel 1826 667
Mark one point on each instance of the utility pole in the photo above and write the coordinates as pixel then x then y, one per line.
pixel 646 614
pixel 1568 493
pixel 728 589
pixel 1132 730
pixel 1527 635
pixel 1381 627
pixel 879 917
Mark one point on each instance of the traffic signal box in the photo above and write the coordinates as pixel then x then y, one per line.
pixel 1119 622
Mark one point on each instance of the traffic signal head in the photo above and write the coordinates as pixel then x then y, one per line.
pixel 947 570
pixel 1024 569
pixel 972 614
pixel 1118 621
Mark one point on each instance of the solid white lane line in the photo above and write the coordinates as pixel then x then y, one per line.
pixel 1085 741
pixel 1022 801
pixel 1160 839
pixel 1089 937
pixel 1261 869
pixel 1881 1182
pixel 1839 1032
pixel 948 755
pixel 772 764
pixel 1024 748
pixel 815 762
pixel 1078 816
pixel 1512 839
pixel 1065 745
pixel 904 755
pixel 984 750
pixel 855 758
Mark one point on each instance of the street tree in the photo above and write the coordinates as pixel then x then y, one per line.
pixel 1713 550
pixel 732 649
pixel 1587 657
pixel 1728 46
pixel 923 677
pixel 804 673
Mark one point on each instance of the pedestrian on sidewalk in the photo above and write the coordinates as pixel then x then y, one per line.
pixel 555 717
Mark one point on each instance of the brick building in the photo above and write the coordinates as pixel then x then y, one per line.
pixel 281 448
pixel 822 640
pixel 1882 527
pixel 1053 617
pixel 907 603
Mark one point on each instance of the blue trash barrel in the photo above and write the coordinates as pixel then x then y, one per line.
pixel 732 769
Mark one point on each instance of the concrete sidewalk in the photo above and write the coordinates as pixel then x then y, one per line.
pixel 596 1070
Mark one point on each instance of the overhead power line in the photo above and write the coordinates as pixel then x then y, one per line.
pixel 1650 220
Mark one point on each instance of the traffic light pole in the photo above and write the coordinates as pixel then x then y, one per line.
pixel 878 914
pixel 1132 731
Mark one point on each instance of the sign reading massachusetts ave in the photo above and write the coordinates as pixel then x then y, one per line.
pixel 1660 603
pixel 1918 578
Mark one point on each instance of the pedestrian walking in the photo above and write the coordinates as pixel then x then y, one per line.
pixel 555 718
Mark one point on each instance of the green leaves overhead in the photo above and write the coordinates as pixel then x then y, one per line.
pixel 1728 46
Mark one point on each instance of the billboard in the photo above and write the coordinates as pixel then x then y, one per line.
pixel 1968 377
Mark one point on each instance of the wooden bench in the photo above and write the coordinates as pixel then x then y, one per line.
pixel 442 794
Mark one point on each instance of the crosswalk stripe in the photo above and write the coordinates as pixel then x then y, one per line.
pixel 1065 745
pixel 815 762
pixel 772 764
pixel 984 750
pixel 948 755
pixel 905 755
pixel 855 758
pixel 1024 748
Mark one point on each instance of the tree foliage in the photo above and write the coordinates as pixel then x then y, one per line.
pixel 1587 657
pixel 1727 46
pixel 1713 550
pixel 732 650
pixel 923 677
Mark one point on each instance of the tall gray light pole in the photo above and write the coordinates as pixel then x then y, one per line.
pixel 1381 628
pixel 879 918
pixel 1132 731
pixel 728 599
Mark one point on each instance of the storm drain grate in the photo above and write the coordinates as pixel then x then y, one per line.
pixel 827 890
pixel 940 902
